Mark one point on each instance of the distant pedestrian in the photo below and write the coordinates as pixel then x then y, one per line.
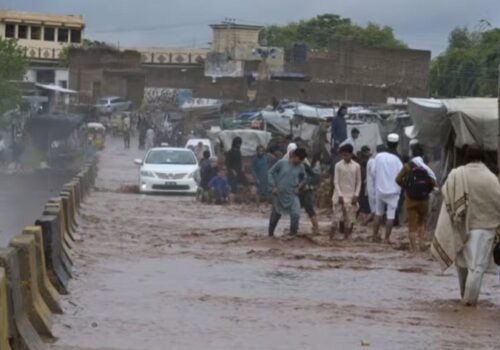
pixel 387 192
pixel 468 223
pixel 418 181
pixel 234 165
pixel 260 169
pixel 286 178
pixel 150 138
pixel 126 131
pixel 339 128
pixel 142 126
pixel 346 194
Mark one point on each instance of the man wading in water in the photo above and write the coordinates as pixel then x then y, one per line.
pixel 468 222
pixel 286 178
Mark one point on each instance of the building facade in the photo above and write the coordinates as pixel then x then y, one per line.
pixel 236 52
pixel 44 37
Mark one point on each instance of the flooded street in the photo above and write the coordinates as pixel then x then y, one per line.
pixel 167 272
pixel 23 196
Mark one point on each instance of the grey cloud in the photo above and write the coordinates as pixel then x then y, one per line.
pixel 423 24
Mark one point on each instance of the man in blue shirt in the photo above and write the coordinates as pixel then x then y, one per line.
pixel 339 127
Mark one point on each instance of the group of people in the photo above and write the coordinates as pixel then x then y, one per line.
pixel 468 229
pixel 384 183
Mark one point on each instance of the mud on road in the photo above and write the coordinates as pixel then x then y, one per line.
pixel 163 272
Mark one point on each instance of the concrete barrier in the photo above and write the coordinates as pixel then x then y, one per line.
pixel 58 268
pixel 66 216
pixel 22 333
pixel 68 203
pixel 47 289
pixel 70 192
pixel 55 209
pixel 73 188
pixel 38 311
pixel 4 312
pixel 79 188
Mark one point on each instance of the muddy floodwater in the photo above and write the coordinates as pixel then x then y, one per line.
pixel 23 196
pixel 166 272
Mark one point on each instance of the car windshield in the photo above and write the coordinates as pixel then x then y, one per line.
pixel 171 157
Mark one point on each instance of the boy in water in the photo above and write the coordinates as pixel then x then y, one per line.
pixel 220 186
pixel 347 187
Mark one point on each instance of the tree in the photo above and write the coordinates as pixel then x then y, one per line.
pixel 469 66
pixel 12 68
pixel 460 38
pixel 320 30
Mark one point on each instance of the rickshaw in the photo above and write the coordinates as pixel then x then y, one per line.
pixel 116 124
pixel 97 132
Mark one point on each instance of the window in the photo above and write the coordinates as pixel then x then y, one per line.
pixel 36 33
pixel 22 31
pixel 76 36
pixel 45 76
pixel 171 157
pixel 49 34
pixel 62 35
pixel 10 30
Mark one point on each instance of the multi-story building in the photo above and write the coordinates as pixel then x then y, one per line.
pixel 44 37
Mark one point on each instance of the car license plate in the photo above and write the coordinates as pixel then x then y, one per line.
pixel 170 183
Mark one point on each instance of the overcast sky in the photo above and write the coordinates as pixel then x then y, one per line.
pixel 423 24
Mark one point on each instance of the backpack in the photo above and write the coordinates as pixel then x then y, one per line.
pixel 419 184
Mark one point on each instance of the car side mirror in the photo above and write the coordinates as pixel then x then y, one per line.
pixel 138 161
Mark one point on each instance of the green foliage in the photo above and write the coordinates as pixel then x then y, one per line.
pixel 320 30
pixel 12 65
pixel 469 67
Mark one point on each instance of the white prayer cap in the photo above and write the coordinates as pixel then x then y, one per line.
pixel 414 142
pixel 393 138
pixel 291 147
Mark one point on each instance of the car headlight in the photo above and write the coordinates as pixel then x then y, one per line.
pixel 147 173
pixel 191 175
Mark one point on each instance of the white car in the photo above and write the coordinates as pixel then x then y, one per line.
pixel 168 170
pixel 111 104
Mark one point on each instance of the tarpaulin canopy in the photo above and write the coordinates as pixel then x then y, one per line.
pixel 474 121
pixel 56 88
pixel 369 134
pixel 251 139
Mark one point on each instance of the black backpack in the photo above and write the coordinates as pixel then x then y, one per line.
pixel 419 184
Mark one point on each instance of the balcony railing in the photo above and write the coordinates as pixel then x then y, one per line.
pixel 173 58
pixel 41 53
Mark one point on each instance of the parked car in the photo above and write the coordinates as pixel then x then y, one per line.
pixel 112 104
pixel 168 170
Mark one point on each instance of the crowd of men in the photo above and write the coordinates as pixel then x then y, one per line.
pixel 373 187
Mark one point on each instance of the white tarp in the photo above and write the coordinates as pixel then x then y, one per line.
pixel 251 139
pixel 369 135
pixel 474 121
pixel 56 88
